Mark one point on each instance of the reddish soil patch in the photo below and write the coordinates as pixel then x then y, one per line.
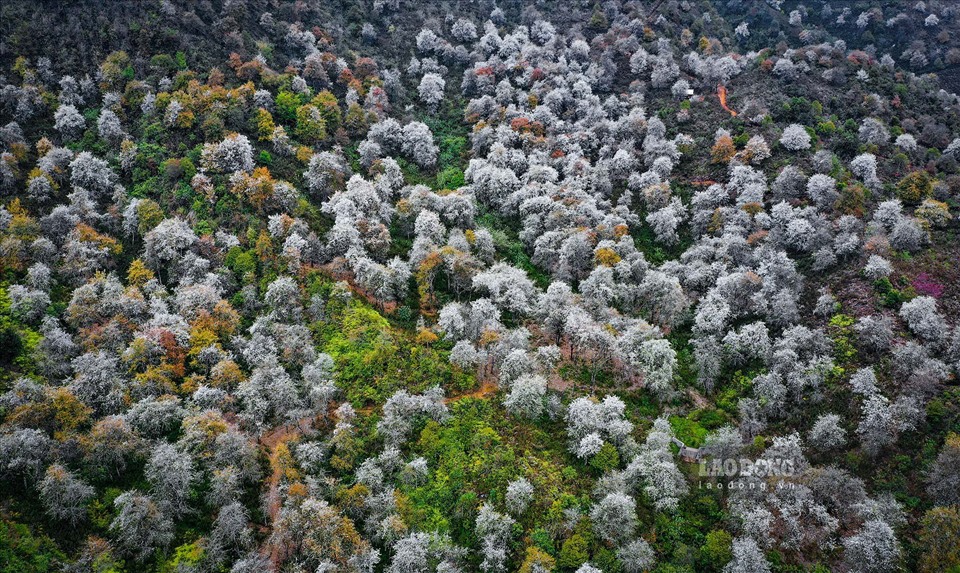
pixel 555 382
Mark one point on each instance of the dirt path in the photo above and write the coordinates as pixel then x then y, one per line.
pixel 555 382
pixel 698 399
pixel 271 441
pixel 487 388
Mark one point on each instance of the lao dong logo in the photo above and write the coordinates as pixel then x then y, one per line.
pixel 728 469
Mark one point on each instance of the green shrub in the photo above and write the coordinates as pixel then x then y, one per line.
pixel 915 187
pixel 716 550
pixel 573 553
pixel 606 459
pixel 21 551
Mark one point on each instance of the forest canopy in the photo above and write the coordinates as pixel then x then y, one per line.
pixel 379 286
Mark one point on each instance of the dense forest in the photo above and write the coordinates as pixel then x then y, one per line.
pixel 384 286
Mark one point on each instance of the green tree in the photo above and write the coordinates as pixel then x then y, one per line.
pixel 915 187
pixel 573 553
pixel 329 108
pixel 287 104
pixel 536 561
pixel 598 20
pixel 940 541
pixel 715 551
pixel 265 125
pixel 606 459
pixel 311 128
pixel 149 215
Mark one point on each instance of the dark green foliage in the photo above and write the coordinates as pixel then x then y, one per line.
pixel 22 551
pixel 10 340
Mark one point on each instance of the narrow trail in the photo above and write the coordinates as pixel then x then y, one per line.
pixel 487 388
pixel 698 398
pixel 271 441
